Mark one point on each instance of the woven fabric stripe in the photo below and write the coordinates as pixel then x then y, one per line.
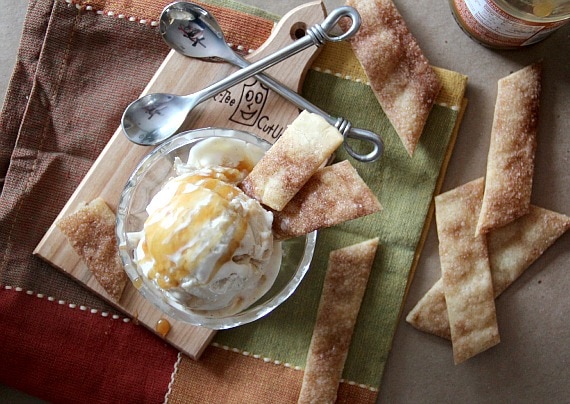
pixel 339 60
pixel 65 355
pixel 35 26
pixel 229 14
pixel 405 187
pixel 225 376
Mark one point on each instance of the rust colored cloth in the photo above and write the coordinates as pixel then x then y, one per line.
pixel 63 352
pixel 267 382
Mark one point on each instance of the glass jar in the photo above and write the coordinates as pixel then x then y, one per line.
pixel 510 24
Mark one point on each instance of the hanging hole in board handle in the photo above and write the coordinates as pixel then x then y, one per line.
pixel 298 30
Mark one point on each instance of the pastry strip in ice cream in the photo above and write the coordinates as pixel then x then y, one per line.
pixel 465 271
pixel 333 195
pixel 304 146
pixel 510 163
pixel 343 290
pixel 400 75
pixel 91 232
pixel 512 249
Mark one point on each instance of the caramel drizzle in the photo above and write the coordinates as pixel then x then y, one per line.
pixel 164 241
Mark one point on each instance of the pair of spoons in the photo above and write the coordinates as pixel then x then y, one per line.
pixel 168 111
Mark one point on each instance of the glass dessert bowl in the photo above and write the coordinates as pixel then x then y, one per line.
pixel 194 245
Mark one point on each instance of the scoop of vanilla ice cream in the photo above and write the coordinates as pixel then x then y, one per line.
pixel 222 152
pixel 206 244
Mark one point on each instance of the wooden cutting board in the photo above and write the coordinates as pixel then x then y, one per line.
pixel 182 75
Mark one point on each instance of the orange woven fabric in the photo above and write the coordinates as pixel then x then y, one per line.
pixel 221 374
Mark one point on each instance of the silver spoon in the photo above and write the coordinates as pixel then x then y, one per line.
pixel 155 117
pixel 193 31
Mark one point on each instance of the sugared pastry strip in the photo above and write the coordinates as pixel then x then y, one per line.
pixel 334 194
pixel 302 148
pixel 510 162
pixel 465 271
pixel 91 232
pixel 512 249
pixel 400 76
pixel 430 312
pixel 341 298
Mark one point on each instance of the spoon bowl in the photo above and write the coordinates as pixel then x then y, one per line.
pixel 147 124
pixel 192 31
